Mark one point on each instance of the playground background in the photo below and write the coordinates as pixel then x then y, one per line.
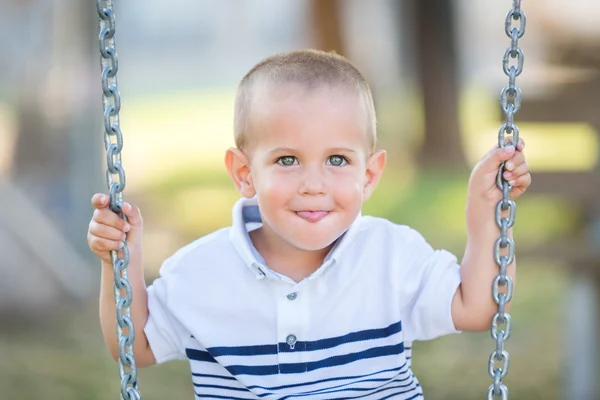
pixel 179 65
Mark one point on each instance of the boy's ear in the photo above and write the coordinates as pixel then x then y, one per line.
pixel 375 167
pixel 238 166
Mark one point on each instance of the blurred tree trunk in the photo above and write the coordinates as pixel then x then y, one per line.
pixel 326 25
pixel 438 78
pixel 57 157
pixel 39 150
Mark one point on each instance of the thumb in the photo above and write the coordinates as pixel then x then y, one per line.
pixel 496 156
pixel 134 217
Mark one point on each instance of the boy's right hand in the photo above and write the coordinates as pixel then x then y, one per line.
pixel 107 230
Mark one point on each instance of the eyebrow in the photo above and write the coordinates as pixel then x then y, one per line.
pixel 332 150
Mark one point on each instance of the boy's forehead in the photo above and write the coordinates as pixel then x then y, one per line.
pixel 290 116
pixel 280 113
pixel 281 103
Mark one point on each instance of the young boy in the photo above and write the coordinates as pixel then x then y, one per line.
pixel 303 296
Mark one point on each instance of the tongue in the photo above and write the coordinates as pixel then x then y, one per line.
pixel 312 216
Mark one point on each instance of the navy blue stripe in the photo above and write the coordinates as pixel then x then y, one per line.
pixel 216 396
pixel 222 387
pixel 330 389
pixel 337 378
pixel 352 357
pixel 229 378
pixel 358 389
pixel 369 334
pixel 199 355
pixel 321 344
pixel 253 370
pixel 297 368
pixel 257 350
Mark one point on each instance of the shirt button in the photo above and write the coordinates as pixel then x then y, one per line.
pixel 291 340
pixel 292 296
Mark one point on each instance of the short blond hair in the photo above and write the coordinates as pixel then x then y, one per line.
pixel 308 68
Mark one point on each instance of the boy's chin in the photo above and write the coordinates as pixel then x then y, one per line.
pixel 313 243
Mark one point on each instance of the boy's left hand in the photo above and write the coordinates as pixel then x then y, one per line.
pixel 482 184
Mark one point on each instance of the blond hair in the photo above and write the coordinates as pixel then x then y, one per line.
pixel 308 68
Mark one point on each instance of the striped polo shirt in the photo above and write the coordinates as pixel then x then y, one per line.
pixel 344 332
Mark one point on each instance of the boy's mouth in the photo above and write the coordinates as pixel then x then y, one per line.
pixel 312 216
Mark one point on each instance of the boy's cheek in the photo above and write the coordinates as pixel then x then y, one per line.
pixel 270 182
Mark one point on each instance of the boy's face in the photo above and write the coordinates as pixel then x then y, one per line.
pixel 309 163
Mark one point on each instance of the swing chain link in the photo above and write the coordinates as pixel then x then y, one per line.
pixel 504 248
pixel 115 178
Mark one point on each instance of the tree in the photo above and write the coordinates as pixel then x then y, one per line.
pixel 326 23
pixel 437 69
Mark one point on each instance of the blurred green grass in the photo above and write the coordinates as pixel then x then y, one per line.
pixel 66 359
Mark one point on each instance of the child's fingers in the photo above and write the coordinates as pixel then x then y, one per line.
pixel 100 245
pixel 105 216
pixel 518 171
pixel 520 145
pixel 490 162
pixel 133 214
pixel 522 182
pixel 106 232
pixel 515 161
pixel 100 200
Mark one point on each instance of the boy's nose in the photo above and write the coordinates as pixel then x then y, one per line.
pixel 312 182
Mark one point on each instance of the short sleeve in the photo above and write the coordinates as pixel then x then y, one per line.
pixel 164 332
pixel 430 280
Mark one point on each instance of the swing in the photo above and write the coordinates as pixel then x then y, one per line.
pixel 510 101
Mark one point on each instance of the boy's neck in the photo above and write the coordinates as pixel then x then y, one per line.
pixel 284 258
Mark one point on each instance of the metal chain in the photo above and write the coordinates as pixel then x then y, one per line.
pixel 510 101
pixel 115 178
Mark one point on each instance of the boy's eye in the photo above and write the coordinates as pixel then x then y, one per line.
pixel 287 160
pixel 337 160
